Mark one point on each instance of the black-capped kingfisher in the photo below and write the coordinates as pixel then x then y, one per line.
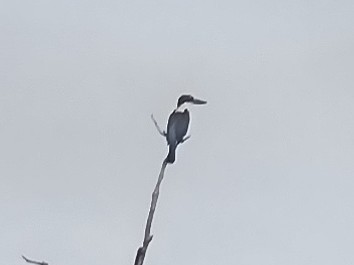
pixel 177 125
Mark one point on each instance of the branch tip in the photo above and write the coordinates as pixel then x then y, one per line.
pixel 163 133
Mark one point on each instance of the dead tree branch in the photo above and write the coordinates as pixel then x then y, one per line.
pixel 34 262
pixel 140 255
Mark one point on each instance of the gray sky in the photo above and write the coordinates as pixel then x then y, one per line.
pixel 267 177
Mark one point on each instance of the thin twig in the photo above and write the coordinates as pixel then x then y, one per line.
pixel 34 262
pixel 163 133
pixel 140 255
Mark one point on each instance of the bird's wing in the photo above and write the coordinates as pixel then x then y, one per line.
pixel 177 126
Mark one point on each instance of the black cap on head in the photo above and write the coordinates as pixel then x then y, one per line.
pixel 183 99
pixel 188 98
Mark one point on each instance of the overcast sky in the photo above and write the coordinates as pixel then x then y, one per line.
pixel 267 177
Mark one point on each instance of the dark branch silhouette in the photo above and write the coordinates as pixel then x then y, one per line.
pixel 140 255
pixel 34 262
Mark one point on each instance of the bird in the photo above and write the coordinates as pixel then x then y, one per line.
pixel 177 125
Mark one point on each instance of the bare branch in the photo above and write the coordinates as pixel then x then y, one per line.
pixel 34 262
pixel 163 133
pixel 140 255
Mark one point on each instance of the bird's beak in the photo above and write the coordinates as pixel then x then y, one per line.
pixel 198 101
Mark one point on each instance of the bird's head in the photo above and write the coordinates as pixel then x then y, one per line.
pixel 189 99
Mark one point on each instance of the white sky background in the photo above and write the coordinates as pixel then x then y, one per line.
pixel 267 177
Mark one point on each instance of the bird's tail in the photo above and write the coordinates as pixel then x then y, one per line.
pixel 171 154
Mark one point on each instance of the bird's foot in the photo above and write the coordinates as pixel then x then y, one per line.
pixel 185 139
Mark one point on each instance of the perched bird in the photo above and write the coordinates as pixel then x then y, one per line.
pixel 177 125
